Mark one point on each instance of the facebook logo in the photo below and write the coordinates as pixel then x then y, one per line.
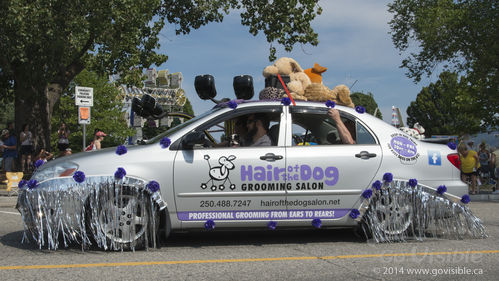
pixel 434 158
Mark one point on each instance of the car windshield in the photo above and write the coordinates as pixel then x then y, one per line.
pixel 181 126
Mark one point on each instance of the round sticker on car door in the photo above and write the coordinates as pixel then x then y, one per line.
pixel 404 148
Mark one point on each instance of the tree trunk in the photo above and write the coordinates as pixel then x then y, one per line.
pixel 34 106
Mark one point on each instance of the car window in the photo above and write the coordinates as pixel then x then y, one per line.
pixel 311 127
pixel 242 129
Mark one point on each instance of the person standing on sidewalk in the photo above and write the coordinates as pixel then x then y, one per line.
pixel 469 165
pixel 26 139
pixel 9 150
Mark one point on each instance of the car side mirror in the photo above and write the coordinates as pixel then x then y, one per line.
pixel 192 139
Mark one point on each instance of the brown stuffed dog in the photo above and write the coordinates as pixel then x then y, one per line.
pixel 317 91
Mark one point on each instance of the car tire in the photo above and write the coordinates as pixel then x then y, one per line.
pixel 123 221
pixel 391 216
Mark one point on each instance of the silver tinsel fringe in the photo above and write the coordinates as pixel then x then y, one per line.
pixel 110 214
pixel 399 212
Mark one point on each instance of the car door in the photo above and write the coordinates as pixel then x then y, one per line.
pixel 328 176
pixel 227 183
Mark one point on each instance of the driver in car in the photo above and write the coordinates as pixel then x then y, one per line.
pixel 258 127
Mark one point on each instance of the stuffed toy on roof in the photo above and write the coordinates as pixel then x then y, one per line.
pixel 317 91
pixel 293 76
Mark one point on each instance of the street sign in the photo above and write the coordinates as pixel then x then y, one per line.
pixel 84 115
pixel 84 96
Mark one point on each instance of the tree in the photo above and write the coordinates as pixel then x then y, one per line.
pixel 442 108
pixel 462 35
pixel 107 114
pixel 187 108
pixel 367 101
pixel 46 43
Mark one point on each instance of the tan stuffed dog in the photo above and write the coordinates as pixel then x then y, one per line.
pixel 299 81
pixel 317 91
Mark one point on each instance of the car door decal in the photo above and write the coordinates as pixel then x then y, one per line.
pixel 220 173
pixel 404 148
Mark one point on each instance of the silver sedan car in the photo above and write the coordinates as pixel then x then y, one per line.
pixel 208 175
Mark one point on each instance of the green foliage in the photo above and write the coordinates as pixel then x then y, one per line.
pixel 6 113
pixel 107 114
pixel 286 22
pixel 463 36
pixel 443 108
pixel 367 101
pixel 187 108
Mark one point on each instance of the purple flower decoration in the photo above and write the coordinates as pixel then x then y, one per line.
pixel 377 185
pixel 272 225
pixel 442 189
pixel 153 186
pixel 38 163
pixel 32 184
pixel 121 149
pixel 354 213
pixel 232 104
pixel 360 109
pixel 79 176
pixel 317 223
pixel 286 101
pixel 388 177
pixel 465 199
pixel 120 173
pixel 452 145
pixel 209 224
pixel 367 193
pixel 22 183
pixel 330 104
pixel 165 142
pixel 413 182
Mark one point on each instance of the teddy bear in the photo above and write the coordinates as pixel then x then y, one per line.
pixel 298 80
pixel 317 91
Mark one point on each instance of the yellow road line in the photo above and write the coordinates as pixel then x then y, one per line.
pixel 115 264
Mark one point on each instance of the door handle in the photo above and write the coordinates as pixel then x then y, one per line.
pixel 365 155
pixel 270 157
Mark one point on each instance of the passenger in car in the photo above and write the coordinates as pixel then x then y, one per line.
pixel 258 127
pixel 344 132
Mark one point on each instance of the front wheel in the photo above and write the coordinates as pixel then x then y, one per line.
pixel 123 220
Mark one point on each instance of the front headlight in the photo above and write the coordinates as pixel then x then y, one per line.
pixel 60 170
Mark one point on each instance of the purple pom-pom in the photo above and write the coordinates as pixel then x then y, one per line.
pixel 442 189
pixel 286 101
pixel 413 182
pixel 232 104
pixel 272 225
pixel 360 109
pixel 367 193
pixel 452 145
pixel 354 213
pixel 209 224
pixel 22 183
pixel 32 184
pixel 121 149
pixel 377 185
pixel 79 176
pixel 153 186
pixel 317 223
pixel 388 177
pixel 120 173
pixel 38 163
pixel 465 199
pixel 165 142
pixel 330 104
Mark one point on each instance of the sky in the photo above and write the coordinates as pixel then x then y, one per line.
pixel 354 44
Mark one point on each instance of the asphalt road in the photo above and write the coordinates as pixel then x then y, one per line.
pixel 266 255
